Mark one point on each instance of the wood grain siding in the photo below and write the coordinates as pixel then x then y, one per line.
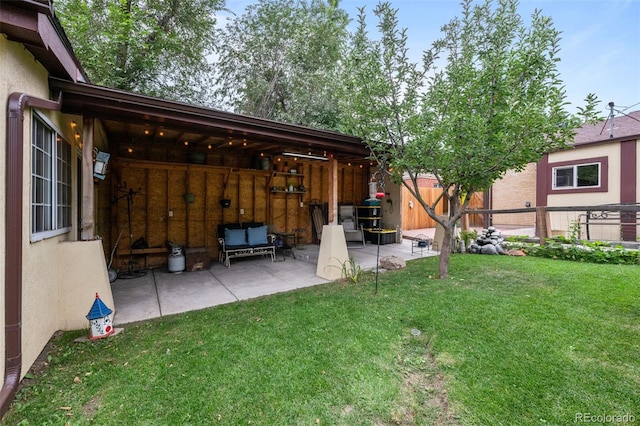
pixel 628 187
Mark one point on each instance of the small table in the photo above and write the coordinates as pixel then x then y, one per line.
pixel 285 241
pixel 420 243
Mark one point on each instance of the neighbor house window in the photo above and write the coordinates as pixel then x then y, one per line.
pixel 577 176
pixel 50 181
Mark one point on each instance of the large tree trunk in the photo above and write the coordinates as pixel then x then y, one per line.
pixel 445 251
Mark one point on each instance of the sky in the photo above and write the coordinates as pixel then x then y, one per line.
pixel 600 41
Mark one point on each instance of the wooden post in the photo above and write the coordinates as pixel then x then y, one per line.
pixel 542 224
pixel 333 191
pixel 88 223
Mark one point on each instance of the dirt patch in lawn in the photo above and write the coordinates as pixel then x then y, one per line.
pixel 423 396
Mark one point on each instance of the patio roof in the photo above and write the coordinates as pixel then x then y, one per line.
pixel 154 122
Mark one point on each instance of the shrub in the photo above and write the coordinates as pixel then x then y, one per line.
pixel 592 252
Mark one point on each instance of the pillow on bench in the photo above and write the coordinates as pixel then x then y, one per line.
pixel 257 236
pixel 235 237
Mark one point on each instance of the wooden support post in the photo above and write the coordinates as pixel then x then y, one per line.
pixel 88 223
pixel 333 191
pixel 542 224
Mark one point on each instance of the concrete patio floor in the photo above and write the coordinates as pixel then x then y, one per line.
pixel 161 292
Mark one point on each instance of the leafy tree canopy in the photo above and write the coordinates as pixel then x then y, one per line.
pixel 488 98
pixel 278 61
pixel 154 47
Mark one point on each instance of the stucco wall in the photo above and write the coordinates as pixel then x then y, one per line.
pixel 561 222
pixel 19 73
pixel 391 205
pixel 60 278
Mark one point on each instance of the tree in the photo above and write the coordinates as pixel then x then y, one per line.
pixel 153 47
pixel 487 99
pixel 278 61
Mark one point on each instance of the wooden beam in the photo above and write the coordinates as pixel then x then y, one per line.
pixel 333 191
pixel 88 224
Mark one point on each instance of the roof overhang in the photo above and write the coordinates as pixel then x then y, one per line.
pixel 34 24
pixel 127 116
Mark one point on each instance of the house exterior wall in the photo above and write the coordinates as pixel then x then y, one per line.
pixel 562 222
pixel 513 191
pixel 59 277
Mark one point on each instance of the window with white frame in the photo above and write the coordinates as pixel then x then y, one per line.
pixel 577 176
pixel 50 181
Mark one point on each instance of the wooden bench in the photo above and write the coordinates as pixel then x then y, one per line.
pixel 141 252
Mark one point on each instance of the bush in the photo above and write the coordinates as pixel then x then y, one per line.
pixel 592 252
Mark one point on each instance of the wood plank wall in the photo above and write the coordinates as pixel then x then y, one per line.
pixel 159 212
pixel 417 217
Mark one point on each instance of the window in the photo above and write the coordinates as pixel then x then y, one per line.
pixel 577 176
pixel 50 181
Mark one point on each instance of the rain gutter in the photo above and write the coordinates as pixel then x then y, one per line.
pixel 18 102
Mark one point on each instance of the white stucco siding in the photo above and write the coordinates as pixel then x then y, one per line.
pixel 612 152
pixel 561 223
pixel 59 276
pixel 20 73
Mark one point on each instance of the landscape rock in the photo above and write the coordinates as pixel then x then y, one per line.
pixel 488 249
pixel 490 241
pixel 392 262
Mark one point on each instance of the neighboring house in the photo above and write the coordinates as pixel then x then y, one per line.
pixel 53 206
pixel 600 168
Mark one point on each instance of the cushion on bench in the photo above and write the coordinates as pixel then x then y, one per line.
pixel 257 236
pixel 235 237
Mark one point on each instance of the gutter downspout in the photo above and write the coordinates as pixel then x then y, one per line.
pixel 13 240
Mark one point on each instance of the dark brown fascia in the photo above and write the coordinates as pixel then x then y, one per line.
pixel 103 102
pixel 33 24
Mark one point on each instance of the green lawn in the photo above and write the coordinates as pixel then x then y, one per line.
pixel 506 340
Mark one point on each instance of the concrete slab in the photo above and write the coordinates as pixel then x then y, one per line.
pixel 189 291
pixel 135 299
pixel 163 293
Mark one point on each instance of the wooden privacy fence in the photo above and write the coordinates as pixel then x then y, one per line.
pixel 417 218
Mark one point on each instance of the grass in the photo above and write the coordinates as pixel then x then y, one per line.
pixel 505 340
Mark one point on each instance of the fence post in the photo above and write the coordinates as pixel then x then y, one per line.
pixel 542 224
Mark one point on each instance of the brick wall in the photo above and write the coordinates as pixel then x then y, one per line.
pixel 513 191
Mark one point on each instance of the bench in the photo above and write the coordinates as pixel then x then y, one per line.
pixel 141 252
pixel 243 240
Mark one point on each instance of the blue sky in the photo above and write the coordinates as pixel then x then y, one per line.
pixel 600 46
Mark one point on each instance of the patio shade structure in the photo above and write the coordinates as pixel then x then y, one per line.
pixel 145 128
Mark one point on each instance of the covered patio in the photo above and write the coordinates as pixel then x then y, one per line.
pixel 160 293
pixel 175 173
